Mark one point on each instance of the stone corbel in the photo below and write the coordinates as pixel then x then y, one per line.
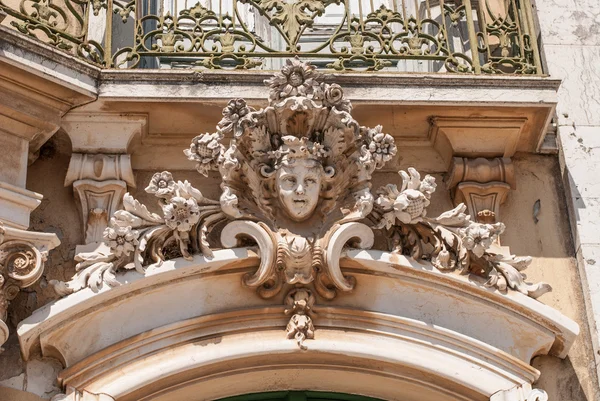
pixel 481 184
pixel 100 168
pixel 476 136
pixel 22 258
pixel 99 183
pixel 16 204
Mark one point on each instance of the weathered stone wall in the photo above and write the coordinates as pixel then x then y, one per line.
pixel 570 32
pixel 548 241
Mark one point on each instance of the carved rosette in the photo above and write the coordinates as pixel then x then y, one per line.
pixel 296 183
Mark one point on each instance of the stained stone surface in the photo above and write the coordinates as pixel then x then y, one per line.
pixel 571 36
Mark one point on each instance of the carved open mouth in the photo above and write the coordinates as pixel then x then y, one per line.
pixel 300 202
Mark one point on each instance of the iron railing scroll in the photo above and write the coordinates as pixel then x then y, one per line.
pixel 428 36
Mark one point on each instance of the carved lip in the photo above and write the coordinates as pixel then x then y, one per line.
pixel 300 201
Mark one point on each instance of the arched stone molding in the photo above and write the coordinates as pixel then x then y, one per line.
pixel 188 324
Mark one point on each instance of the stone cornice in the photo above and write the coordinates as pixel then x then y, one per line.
pixel 347 79
pixel 156 85
pixel 10 37
pixel 168 77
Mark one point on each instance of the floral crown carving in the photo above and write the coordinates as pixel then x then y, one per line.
pixel 307 118
pixel 294 148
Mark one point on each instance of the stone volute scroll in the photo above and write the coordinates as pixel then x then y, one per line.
pixel 22 258
pixel 296 185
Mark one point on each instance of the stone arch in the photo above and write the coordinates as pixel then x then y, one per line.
pixel 153 339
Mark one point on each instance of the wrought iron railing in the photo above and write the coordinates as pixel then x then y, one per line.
pixel 460 36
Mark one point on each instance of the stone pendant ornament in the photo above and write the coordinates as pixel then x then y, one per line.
pixel 296 181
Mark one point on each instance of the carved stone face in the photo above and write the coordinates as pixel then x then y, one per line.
pixel 298 186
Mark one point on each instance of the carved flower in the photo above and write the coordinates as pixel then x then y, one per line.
pixel 161 185
pixel 428 186
pixel 381 146
pixel 443 261
pixel 479 237
pixel 333 96
pixel 205 149
pixel 121 240
pixel 181 214
pixel 295 79
pixel 232 113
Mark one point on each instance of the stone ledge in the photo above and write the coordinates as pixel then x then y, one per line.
pixel 50 64
pixel 348 79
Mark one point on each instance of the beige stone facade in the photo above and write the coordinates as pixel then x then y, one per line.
pixel 197 234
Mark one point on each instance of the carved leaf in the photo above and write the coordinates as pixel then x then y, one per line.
pixel 135 207
pixel 123 218
pixel 89 258
pixel 510 269
pixel 145 239
pixel 93 276
pixel 188 190
pixel 455 217
pixel 333 140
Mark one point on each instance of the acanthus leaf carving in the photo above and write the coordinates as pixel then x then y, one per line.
pixel 296 182
pixel 136 237
pixel 450 241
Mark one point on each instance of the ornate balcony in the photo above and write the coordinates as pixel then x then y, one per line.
pixel 425 36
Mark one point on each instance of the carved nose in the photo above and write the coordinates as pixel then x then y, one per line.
pixel 300 189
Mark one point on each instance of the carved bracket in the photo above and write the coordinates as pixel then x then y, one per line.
pixel 481 184
pixel 99 183
pixel 22 258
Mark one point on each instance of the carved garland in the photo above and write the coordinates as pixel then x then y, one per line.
pixel 296 180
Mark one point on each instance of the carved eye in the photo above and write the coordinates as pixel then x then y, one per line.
pixel 310 181
pixel 289 182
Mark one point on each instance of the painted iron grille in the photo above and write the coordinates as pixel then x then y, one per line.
pixel 426 36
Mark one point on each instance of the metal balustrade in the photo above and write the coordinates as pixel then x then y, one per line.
pixel 427 36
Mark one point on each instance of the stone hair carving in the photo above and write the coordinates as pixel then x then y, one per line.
pixel 296 181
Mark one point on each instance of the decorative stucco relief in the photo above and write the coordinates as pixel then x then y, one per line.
pixel 296 182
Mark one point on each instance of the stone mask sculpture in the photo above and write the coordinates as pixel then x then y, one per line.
pixel 296 181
